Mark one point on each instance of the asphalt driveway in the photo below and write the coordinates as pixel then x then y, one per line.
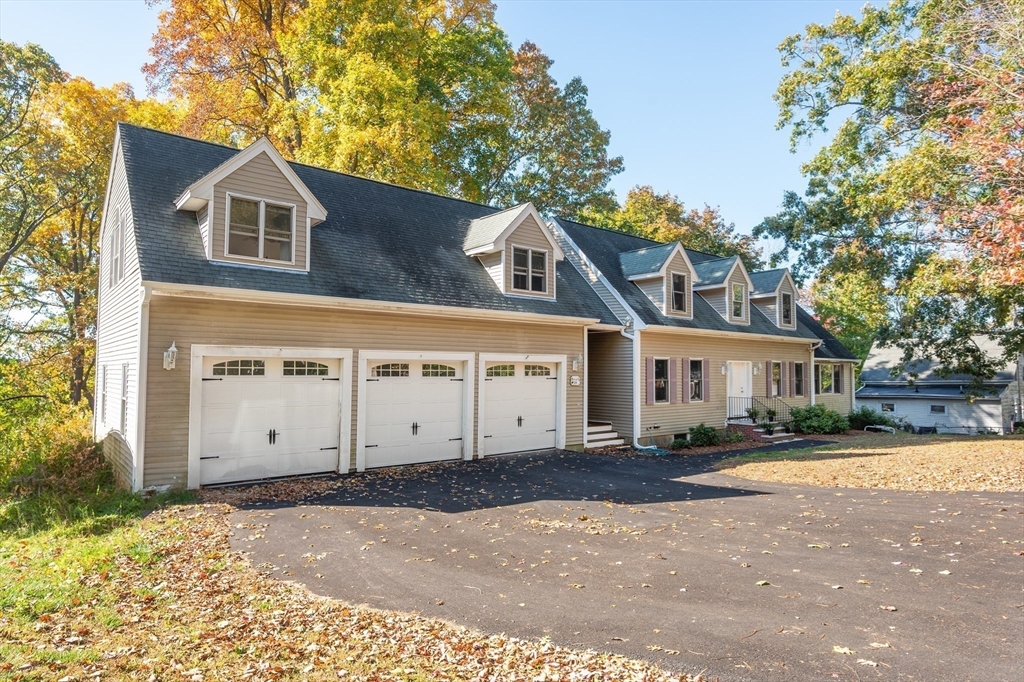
pixel 658 558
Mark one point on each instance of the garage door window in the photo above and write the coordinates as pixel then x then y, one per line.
pixel 537 371
pixel 304 368
pixel 501 371
pixel 240 368
pixel 438 371
pixel 393 369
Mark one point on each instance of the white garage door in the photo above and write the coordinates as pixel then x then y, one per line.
pixel 265 417
pixel 520 407
pixel 413 412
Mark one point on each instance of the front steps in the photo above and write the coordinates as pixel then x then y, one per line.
pixel 755 433
pixel 601 435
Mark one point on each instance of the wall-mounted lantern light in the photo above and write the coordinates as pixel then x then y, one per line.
pixel 170 356
pixel 725 369
pixel 577 363
pixel 757 369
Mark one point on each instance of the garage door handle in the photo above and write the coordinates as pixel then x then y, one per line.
pixel 369 446
pixel 330 379
pixel 455 380
pixel 208 379
pixel 553 378
pixel 333 448
pixel 211 457
pixel 550 430
pixel 451 439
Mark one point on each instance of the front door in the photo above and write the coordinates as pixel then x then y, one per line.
pixel 739 388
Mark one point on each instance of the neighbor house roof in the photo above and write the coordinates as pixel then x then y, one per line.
pixel 881 360
pixel 604 248
pixel 918 393
pixel 379 242
pixel 714 271
pixel 645 260
pixel 766 281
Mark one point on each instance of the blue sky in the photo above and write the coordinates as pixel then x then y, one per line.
pixel 685 87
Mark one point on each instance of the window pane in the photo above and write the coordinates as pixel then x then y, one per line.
pixel 501 371
pixel 696 380
pixel 787 309
pixel 538 282
pixel 519 281
pixel 277 249
pixel 536 371
pixel 737 300
pixel 520 258
pixel 240 244
pixel 888 407
pixel 798 373
pixel 661 381
pixel 277 233
pixel 679 293
pixel 538 260
pixel 777 378
pixel 432 370
pixel 938 409
pixel 394 369
pixel 824 378
pixel 245 212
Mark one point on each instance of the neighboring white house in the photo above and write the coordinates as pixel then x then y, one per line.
pixel 943 403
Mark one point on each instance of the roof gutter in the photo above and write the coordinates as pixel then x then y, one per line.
pixel 732 334
pixel 309 300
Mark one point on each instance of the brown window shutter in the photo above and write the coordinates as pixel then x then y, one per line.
pixel 808 380
pixel 768 378
pixel 839 382
pixel 706 378
pixel 650 380
pixel 673 383
pixel 783 379
pixel 686 380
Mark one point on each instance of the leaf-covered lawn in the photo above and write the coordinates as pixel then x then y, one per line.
pixel 895 462
pixel 166 599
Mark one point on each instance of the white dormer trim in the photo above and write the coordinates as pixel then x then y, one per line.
pixel 200 193
pixel 777 295
pixel 525 211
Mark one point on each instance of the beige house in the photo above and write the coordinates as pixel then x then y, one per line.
pixel 259 318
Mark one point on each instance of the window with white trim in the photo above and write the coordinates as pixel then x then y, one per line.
pixel 433 370
pixel 888 407
pixel 103 404
pixel 240 368
pixel 305 368
pixel 739 299
pixel 798 379
pixel 776 379
pixel 696 381
pixel 937 409
pixel 678 293
pixel 391 369
pixel 529 270
pixel 124 397
pixel 501 371
pixel 536 371
pixel 260 229
pixel 115 249
pixel 661 380
pixel 787 309
pixel 824 380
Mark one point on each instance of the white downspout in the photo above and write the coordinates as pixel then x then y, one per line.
pixel 586 388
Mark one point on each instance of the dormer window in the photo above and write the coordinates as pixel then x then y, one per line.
pixel 260 229
pixel 529 270
pixel 739 297
pixel 787 309
pixel 678 293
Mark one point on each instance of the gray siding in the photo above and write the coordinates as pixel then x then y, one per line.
pixel 1009 399
pixel 654 289
pixel 960 417
pixel 118 333
pixel 259 178
pixel 610 375
pixel 738 278
pixel 203 218
pixel 716 297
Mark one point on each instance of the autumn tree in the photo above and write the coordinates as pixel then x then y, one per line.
pixel 664 218
pixel 922 175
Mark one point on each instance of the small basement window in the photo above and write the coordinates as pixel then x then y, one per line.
pixel 501 371
pixel 678 293
pixel 536 371
pixel 260 229
pixel 530 270
pixel 304 368
pixel 661 380
pixel 432 370
pixel 787 309
pixel 888 407
pixel 937 409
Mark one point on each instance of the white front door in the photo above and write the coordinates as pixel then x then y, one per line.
pixel 740 382
pixel 413 412
pixel 520 407
pixel 266 417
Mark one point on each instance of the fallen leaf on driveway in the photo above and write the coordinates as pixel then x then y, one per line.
pixel 864 661
pixel 880 645
pixel 762 583
pixel 887 608
pixel 842 650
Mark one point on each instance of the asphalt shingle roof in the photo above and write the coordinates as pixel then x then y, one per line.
pixel 882 359
pixel 483 231
pixel 603 248
pixel 918 392
pixel 766 281
pixel 711 272
pixel 645 260
pixel 831 348
pixel 380 242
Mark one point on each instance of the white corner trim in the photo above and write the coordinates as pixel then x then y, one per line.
pixel 468 393
pixel 561 373
pixel 195 404
pixel 139 432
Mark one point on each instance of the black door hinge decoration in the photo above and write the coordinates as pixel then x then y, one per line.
pixel 415 428
pixel 333 448
pixel 272 435
pixel 520 420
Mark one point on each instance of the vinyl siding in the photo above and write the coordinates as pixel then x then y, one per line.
pixel 203 218
pixel 716 297
pixel 654 289
pixel 118 332
pixel 492 263
pixel 678 417
pixel 768 306
pixel 1009 398
pixel 678 265
pixel 843 402
pixel 960 416
pixel 591 275
pixel 529 235
pixel 610 375
pixel 188 321
pixel 258 178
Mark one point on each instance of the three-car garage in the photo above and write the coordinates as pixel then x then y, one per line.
pixel 259 413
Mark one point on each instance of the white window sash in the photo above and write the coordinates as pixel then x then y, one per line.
pixel 260 234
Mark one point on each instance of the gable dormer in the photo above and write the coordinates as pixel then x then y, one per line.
pixel 665 274
pixel 774 294
pixel 254 210
pixel 725 284
pixel 517 249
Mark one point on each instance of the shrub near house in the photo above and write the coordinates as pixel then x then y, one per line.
pixel 818 419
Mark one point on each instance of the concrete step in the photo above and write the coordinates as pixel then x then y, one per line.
pixel 599 427
pixel 779 437
pixel 605 443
